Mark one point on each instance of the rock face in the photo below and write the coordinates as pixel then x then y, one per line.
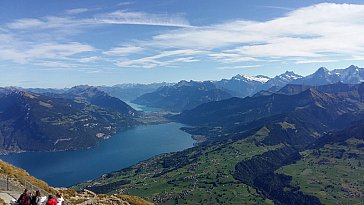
pixel 77 119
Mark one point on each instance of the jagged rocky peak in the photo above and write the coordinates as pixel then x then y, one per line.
pixel 185 83
pixel 352 67
pixel 322 70
pixel 289 76
pixel 353 71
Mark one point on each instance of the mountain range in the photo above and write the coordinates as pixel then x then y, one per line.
pixel 77 118
pixel 164 95
pixel 182 96
pixel 282 143
pixel 350 75
pixel 243 86
pixel 257 150
pixel 129 92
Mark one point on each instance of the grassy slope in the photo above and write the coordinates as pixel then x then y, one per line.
pixel 19 175
pixel 195 183
pixel 333 178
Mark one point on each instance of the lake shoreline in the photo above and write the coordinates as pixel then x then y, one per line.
pixel 122 150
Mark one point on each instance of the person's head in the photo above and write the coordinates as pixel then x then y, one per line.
pixel 50 197
pixel 59 195
pixel 37 193
pixel 25 190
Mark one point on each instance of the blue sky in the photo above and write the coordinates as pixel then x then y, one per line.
pixel 65 43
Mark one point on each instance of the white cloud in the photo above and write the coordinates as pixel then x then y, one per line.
pixel 278 7
pixel 125 3
pixel 49 50
pixel 25 23
pixel 141 18
pixel 315 61
pixel 48 22
pixel 230 57
pixel 76 11
pixel 237 67
pixel 165 58
pixel 321 30
pixel 124 50
pixel 56 65
pixel 28 53
pixel 90 59
pixel 116 17
pixel 314 34
pixel 357 58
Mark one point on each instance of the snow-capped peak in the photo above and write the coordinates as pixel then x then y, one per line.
pixel 258 78
pixel 289 76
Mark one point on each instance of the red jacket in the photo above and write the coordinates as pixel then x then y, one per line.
pixel 51 201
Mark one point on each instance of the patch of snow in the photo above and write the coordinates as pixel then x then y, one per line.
pixel 260 78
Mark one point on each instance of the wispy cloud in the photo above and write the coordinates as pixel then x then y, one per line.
pixel 141 18
pixel 30 39
pixel 165 58
pixel 124 50
pixel 230 57
pixel 315 61
pixel 278 7
pixel 303 32
pixel 28 53
pixel 53 64
pixel 76 11
pixel 116 17
pixel 90 59
pixel 48 22
pixel 319 33
pixel 237 67
pixel 125 3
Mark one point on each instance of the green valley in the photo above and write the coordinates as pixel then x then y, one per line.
pixel 333 173
pixel 191 177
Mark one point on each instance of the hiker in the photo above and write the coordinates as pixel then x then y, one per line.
pixel 51 200
pixel 60 199
pixel 36 199
pixel 24 198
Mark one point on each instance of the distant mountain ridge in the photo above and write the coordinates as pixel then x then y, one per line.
pixel 47 122
pixel 129 92
pixel 238 86
pixel 183 95
pixel 245 85
pixel 351 75
pixel 95 96
pixel 125 92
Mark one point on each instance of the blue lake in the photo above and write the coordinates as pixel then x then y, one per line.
pixel 122 150
pixel 143 107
